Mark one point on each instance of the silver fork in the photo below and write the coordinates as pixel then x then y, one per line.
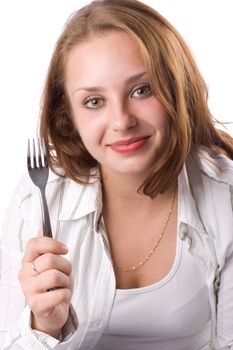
pixel 37 164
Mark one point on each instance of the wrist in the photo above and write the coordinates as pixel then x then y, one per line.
pixel 53 332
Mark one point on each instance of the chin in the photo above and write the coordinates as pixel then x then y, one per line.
pixel 132 171
pixel 139 167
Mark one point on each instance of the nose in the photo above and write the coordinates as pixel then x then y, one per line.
pixel 122 119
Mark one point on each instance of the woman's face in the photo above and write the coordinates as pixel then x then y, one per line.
pixel 121 123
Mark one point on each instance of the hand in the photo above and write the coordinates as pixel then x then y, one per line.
pixel 48 290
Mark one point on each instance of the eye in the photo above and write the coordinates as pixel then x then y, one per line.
pixel 93 102
pixel 142 91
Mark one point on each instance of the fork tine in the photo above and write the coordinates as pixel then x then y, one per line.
pixel 34 154
pixel 29 164
pixel 39 153
pixel 38 171
pixel 44 152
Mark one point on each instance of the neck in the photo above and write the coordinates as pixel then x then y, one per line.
pixel 124 186
pixel 120 193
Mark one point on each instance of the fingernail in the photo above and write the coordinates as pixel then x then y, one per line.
pixel 64 246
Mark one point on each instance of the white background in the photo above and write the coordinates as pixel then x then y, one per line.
pixel 28 31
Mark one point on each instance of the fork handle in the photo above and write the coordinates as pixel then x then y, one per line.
pixel 47 231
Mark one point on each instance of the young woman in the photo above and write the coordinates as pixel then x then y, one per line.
pixel 140 198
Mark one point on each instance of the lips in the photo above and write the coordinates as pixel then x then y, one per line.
pixel 129 146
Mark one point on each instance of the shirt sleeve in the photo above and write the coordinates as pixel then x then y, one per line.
pixel 15 315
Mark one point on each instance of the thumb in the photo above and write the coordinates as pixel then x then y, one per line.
pixel 40 233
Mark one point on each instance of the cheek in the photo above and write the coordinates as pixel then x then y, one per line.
pixel 164 122
pixel 154 114
pixel 159 119
pixel 91 129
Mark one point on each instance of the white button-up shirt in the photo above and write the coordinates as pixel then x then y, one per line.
pixel 205 185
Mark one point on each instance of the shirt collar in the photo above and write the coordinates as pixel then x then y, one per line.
pixel 218 168
pixel 188 207
pixel 80 200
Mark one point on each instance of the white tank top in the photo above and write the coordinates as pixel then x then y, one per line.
pixel 172 314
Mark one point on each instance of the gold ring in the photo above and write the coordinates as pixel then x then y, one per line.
pixel 34 268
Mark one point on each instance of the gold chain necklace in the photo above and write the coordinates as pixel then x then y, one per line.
pixel 141 263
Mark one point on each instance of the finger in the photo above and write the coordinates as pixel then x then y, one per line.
pixel 44 263
pixel 49 261
pixel 47 280
pixel 41 245
pixel 44 303
pixel 26 273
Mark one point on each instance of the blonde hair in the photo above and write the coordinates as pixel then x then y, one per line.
pixel 176 82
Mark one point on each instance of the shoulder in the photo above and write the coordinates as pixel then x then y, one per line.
pixel 65 196
pixel 26 188
pixel 211 180
pixel 215 166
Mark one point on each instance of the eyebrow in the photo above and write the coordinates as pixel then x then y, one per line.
pixel 129 80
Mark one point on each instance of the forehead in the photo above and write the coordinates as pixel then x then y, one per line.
pixel 108 51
